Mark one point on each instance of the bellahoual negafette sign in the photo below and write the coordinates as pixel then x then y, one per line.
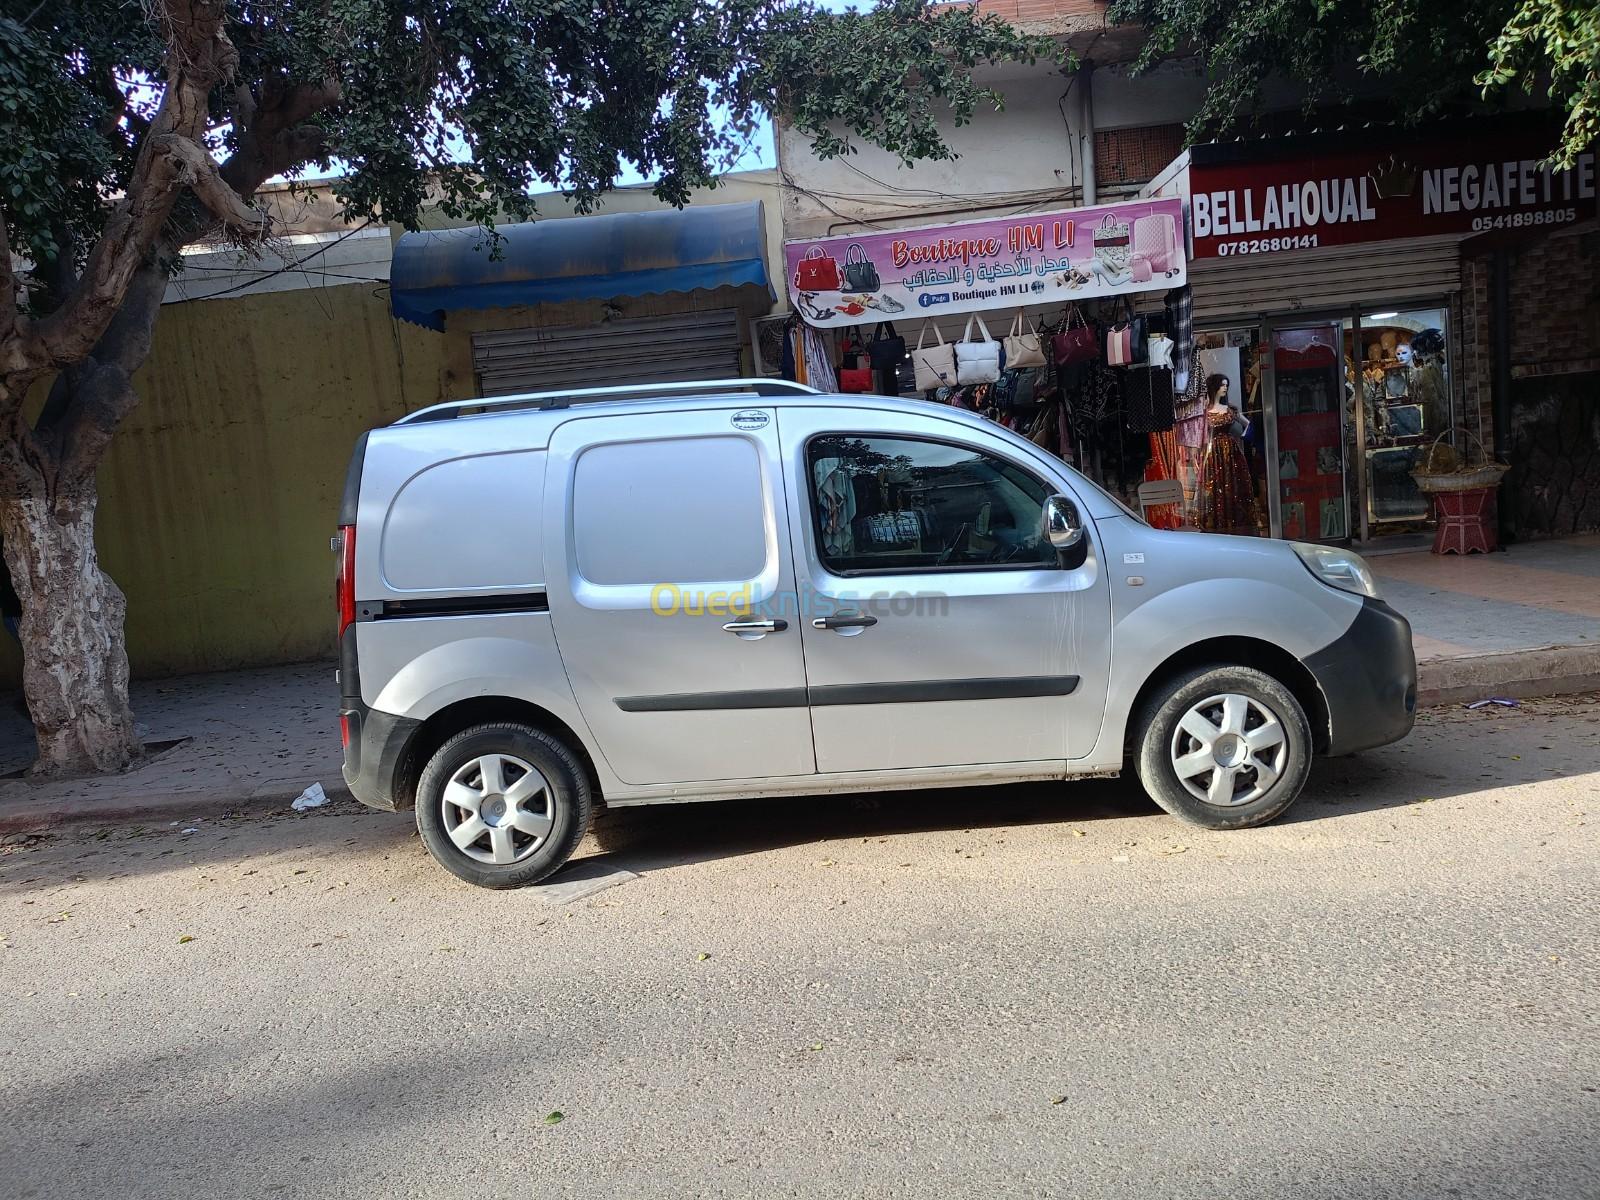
pixel 1006 262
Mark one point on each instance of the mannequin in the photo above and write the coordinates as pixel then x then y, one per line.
pixel 1227 493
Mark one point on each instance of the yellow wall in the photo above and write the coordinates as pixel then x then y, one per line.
pixel 220 493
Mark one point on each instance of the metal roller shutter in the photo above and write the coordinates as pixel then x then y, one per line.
pixel 1323 278
pixel 684 346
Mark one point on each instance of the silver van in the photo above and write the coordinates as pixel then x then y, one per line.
pixel 748 588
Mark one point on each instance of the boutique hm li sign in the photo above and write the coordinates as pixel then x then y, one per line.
pixel 1039 258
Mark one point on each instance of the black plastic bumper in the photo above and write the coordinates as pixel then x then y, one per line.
pixel 374 754
pixel 1369 679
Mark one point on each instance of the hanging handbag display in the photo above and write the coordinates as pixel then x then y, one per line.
pixel 855 379
pixel 1075 343
pixel 817 272
pixel 935 365
pixel 1125 341
pixel 1023 349
pixel 1015 390
pixel 886 352
pixel 860 272
pixel 977 361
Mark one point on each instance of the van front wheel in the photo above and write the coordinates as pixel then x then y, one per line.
pixel 502 805
pixel 1224 747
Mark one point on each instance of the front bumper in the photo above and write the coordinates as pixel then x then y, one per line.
pixel 374 755
pixel 1369 678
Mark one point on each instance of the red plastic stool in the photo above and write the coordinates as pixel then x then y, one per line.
pixel 1463 522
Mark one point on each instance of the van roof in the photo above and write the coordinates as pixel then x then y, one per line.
pixel 695 390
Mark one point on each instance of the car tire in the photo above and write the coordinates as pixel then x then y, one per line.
pixel 1223 747
pixel 503 805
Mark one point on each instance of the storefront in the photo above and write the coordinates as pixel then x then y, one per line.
pixel 1053 324
pixel 1326 271
pixel 620 298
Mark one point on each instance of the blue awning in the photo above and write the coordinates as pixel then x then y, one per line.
pixel 579 258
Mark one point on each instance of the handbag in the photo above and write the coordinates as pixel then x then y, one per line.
pixel 1023 349
pixel 1074 343
pixel 1126 340
pixel 860 272
pixel 886 353
pixel 977 361
pixel 1015 390
pixel 1158 350
pixel 855 379
pixel 817 272
pixel 935 365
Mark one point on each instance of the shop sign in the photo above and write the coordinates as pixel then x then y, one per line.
pixel 1377 194
pixel 1036 258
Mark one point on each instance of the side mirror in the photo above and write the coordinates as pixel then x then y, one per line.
pixel 1062 525
pixel 1064 529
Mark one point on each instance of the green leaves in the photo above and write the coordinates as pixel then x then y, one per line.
pixel 1424 58
pixel 1557 41
pixel 474 105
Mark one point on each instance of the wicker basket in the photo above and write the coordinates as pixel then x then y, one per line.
pixel 1442 470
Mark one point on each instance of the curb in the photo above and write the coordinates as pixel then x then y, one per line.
pixel 268 797
pixel 1523 674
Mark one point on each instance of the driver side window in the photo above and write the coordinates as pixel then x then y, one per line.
pixel 885 504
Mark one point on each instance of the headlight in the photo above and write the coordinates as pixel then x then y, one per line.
pixel 1343 569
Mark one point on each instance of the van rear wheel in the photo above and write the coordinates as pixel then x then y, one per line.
pixel 1224 747
pixel 503 805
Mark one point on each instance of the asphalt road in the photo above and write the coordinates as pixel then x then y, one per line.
pixel 1031 991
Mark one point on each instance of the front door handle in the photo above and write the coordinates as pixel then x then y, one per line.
pixel 844 621
pixel 756 626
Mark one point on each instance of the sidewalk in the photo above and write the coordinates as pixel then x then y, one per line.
pixel 1525 622
pixel 1522 623
pixel 253 739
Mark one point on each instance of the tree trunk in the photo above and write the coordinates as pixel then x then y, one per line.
pixel 75 667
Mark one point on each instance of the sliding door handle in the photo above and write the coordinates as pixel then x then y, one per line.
pixel 756 626
pixel 844 621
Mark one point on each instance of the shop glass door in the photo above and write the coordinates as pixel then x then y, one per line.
pixel 1308 403
pixel 1399 361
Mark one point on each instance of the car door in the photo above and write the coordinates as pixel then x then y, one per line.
pixel 940 628
pixel 666 547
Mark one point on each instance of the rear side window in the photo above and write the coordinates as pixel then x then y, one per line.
pixel 904 504
pixel 684 510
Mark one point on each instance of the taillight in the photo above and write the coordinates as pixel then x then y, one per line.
pixel 347 577
pixel 344 730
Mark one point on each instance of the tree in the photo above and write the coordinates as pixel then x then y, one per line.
pixel 130 131
pixel 1429 58
pixel 1558 41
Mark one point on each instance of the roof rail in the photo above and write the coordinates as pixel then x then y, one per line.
pixel 642 391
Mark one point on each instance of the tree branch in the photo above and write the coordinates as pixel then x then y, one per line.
pixel 197 171
pixel 8 285
pixel 199 56
pixel 243 109
pixel 278 138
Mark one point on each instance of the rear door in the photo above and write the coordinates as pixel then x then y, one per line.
pixel 940 629
pixel 667 547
